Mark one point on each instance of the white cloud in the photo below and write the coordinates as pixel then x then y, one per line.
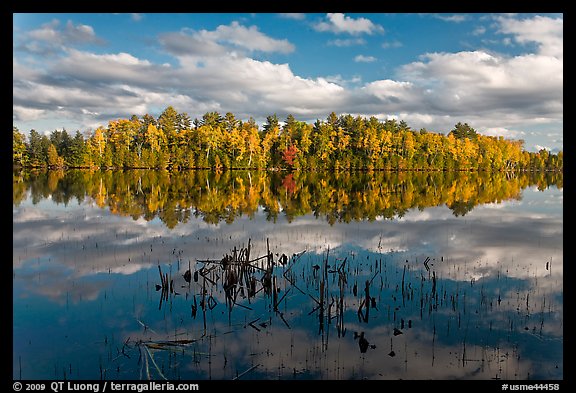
pixel 546 32
pixel 222 40
pixel 540 147
pixel 97 90
pixel 247 37
pixel 364 59
pixel 117 68
pixel 47 32
pixel 24 113
pixel 273 84
pixel 54 34
pixel 391 91
pixel 182 43
pixel 485 82
pixel 501 131
pixel 122 83
pixel 506 91
pixel 340 80
pixel 339 23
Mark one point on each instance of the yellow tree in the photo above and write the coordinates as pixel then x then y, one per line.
pixel 98 140
pixel 235 141
pixel 209 137
pixel 155 138
pixel 304 141
pixel 268 141
pixel 54 160
pixel 324 135
pixel 450 150
pixel 469 152
pixel 18 146
pixel 342 140
pixel 512 151
pixel 252 140
pixel 408 145
pixel 498 156
pixel 121 135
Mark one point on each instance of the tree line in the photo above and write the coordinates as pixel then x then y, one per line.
pixel 174 142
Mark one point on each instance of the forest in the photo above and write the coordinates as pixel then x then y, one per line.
pixel 175 142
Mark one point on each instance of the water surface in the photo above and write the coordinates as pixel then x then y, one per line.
pixel 370 276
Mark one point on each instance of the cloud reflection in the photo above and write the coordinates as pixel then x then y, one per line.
pixel 74 254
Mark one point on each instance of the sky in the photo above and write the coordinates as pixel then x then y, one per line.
pixel 500 73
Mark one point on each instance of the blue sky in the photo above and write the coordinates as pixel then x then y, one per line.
pixel 500 73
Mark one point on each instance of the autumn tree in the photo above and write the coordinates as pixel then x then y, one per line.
pixel 54 159
pixel 289 154
pixel 252 140
pixel 338 142
pixel 19 156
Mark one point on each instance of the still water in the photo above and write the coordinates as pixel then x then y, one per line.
pixel 200 275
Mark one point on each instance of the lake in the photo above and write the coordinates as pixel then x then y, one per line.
pixel 272 275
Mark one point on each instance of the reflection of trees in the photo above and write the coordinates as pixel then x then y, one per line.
pixel 222 196
pixel 460 208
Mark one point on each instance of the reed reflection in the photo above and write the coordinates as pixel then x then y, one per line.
pixel 302 316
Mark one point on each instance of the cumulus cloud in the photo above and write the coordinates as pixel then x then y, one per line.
pixel 52 37
pixel 269 86
pixel 340 23
pixel 495 131
pixel 546 32
pixel 111 68
pixel 22 112
pixel 248 37
pixel 540 147
pixel 92 81
pixel 183 43
pixel 528 84
pixel 390 90
pixel 341 81
pixel 222 39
